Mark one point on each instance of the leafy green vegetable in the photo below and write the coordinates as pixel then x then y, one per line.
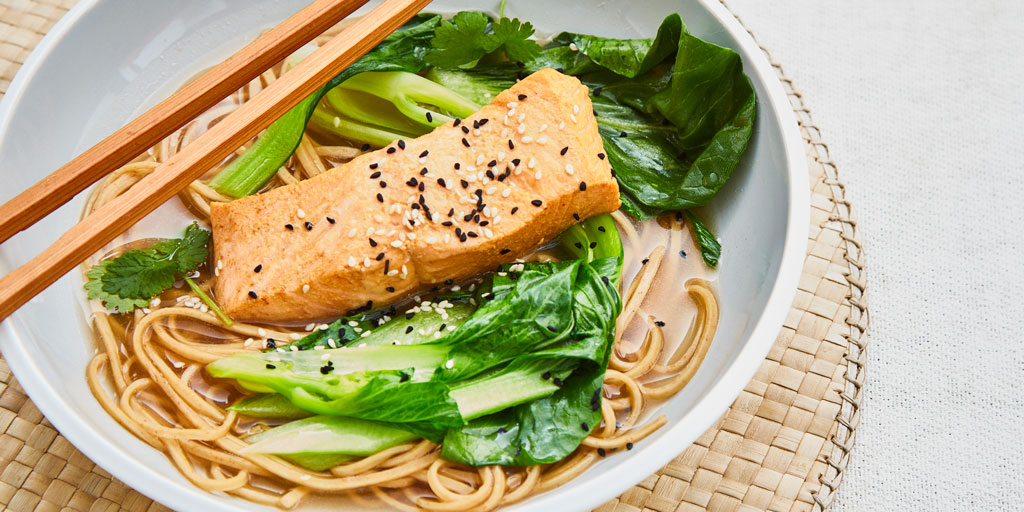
pixel 132 279
pixel 322 442
pixel 403 50
pixel 465 39
pixel 710 249
pixel 269 406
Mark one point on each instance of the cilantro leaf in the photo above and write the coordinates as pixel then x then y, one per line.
pixel 461 41
pixel 466 38
pixel 515 37
pixel 132 279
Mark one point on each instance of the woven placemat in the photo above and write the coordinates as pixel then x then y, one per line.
pixel 783 445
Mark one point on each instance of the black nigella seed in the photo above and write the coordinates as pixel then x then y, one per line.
pixel 387 265
pixel 488 296
pixel 423 171
pixel 408 329
pixel 476 124
pixel 482 224
pixel 380 256
pixel 465 129
pixel 375 175
pixel 442 327
pixel 576 216
pixel 391 150
pixel 373 166
pixel 556 381
pixel 412 182
pixel 408 316
pixel 552 328
pixel 430 118
pixel 424 153
pixel 490 174
pixel 601 452
pixel 462 238
pixel 622 134
pixel 415 206
pixel 505 251
pixel 271 343
pixel 405 376
pixel 564 151
pixel 597 91
pixel 511 145
pixel 390 289
pixel 447 223
pixel 586 428
pixel 522 97
pixel 457 122
pixel 601 156
pixel 330 220
pixel 258 268
pixel 309 226
pixel 515 161
pixel 502 430
pixel 253 294
pixel 679 216
pixel 325 369
pixel 440 181
pixel 373 243
pixel 270 366
pixel 644 261
pixel 457 166
pixel 422 187
pixel 583 186
pixel 464 183
pixel 380 198
pixel 484 121
pixel 289 227
pixel 514 210
pixel 366 147
pixel 593 244
pixel 492 163
pixel 682 253
pixel 537 202
pixel 604 279
pixel 401 144
pixel 546 376
pixel 383 184
pixel 659 323
pixel 629 446
pixel 449 282
pixel 465 142
pixel 471 234
pixel 601 229
pixel 578 245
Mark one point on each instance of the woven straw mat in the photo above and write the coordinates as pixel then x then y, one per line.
pixel 783 445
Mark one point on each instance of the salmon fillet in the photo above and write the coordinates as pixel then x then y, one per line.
pixel 446 206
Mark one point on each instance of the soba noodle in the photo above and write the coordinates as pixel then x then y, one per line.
pixel 148 372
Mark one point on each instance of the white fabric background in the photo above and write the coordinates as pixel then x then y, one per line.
pixel 922 104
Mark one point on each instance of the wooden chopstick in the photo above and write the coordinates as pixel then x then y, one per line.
pixel 162 120
pixel 206 151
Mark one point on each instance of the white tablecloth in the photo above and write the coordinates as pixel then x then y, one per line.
pixel 922 103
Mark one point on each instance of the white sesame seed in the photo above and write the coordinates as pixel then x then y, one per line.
pixel 573 47
pixel 480 159
pixel 449 364
pixel 527 139
pixel 501 156
pixel 531 163
pixel 511 104
pixel 310 327
pixel 352 233
pixel 322 327
pixel 351 261
pixel 337 121
pixel 569 170
pixel 261 332
pixel 543 127
pixel 412 236
pixel 305 477
pixel 294 336
pixel 542 140
pixel 300 214
pixel 491 190
pixel 561 125
pixel 496 220
pixel 392 272
pixel 573 117
pixel 488 233
pixel 447 237
pixel 437 334
pixel 305 288
pixel 363 335
pixel 518 171
pixel 378 218
pixel 504 131
pixel 423 160
pixel 502 274
pixel 476 131
pixel 575 109
pixel 521 128
pixel 537 176
pixel 396 243
pixel 325 357
pixel 332 343
pixel 147 311
pixel 521 117
pixel 506 192
pixel 220 264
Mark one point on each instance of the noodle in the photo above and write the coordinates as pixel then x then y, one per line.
pixel 147 373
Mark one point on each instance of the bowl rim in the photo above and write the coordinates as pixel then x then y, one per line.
pixel 592 492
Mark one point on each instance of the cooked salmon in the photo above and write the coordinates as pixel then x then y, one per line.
pixel 446 206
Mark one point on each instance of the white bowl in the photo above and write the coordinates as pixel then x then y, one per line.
pixel 108 59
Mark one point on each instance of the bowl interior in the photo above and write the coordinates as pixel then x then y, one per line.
pixel 109 60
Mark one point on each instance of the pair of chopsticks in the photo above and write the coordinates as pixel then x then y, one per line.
pixel 172 176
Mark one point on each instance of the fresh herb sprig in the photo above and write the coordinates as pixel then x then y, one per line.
pixel 470 36
pixel 132 279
